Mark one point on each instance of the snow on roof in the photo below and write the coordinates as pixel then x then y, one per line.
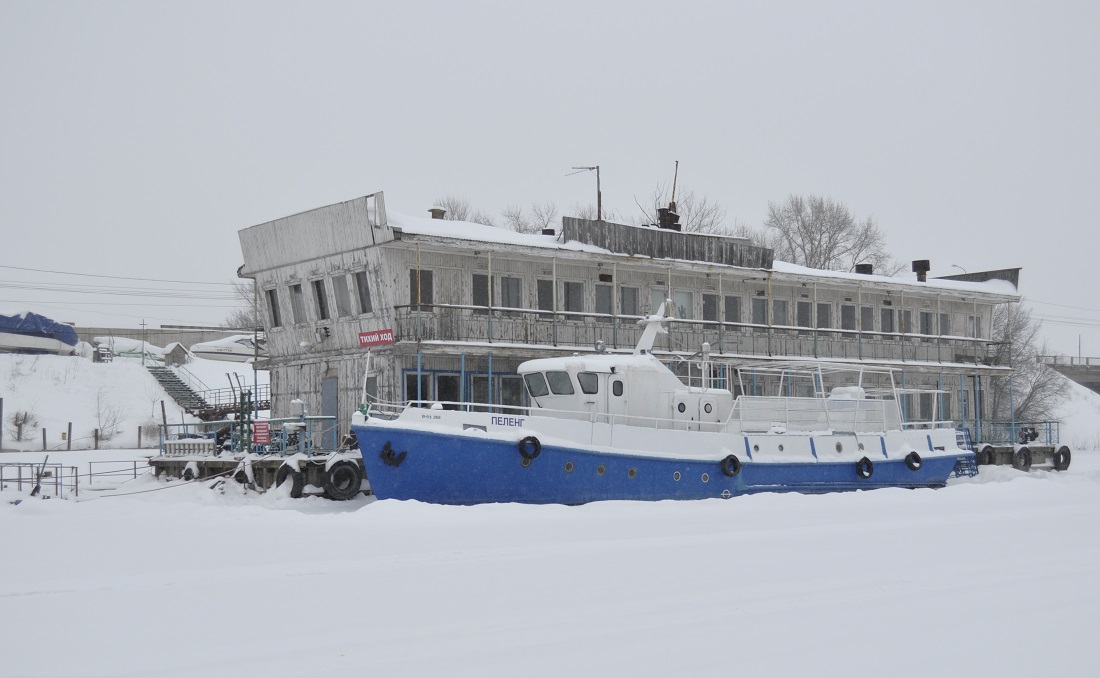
pixel 464 230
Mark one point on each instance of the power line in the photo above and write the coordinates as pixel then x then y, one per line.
pixel 117 277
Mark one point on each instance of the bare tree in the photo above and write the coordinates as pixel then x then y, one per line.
pixel 541 216
pixel 591 212
pixel 247 314
pixel 698 214
pixel 821 233
pixel 459 209
pixel 1034 391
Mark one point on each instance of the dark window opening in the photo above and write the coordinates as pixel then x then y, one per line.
pixel 536 384
pixel 273 308
pixel 363 291
pixel 321 298
pixel 589 381
pixel 560 383
pixel 420 289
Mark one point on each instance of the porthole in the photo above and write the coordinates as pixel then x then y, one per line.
pixel 525 462
pixel 632 473
pixel 681 407
pixel 676 475
pixel 780 447
pixel 708 408
pixel 839 448
pixel 600 470
pixel 568 467
pixel 755 448
pixel 706 477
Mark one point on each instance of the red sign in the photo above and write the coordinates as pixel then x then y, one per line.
pixel 376 338
pixel 261 432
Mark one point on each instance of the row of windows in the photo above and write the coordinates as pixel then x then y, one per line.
pixel 806 313
pixel 351 292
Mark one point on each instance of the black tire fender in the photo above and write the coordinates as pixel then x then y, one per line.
pixel 297 480
pixel 530 447
pixel 913 461
pixel 188 474
pixel 1022 459
pixel 731 466
pixel 241 476
pixel 343 480
pixel 1062 458
pixel 864 468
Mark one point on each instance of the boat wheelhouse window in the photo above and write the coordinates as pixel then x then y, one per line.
pixel 628 301
pixel 867 318
pixel 273 307
pixel 545 290
pixel 590 383
pixel 710 307
pixel 363 292
pixel 824 316
pixel 321 298
pixel 617 387
pixel 847 317
pixel 733 309
pixel 343 299
pixel 298 304
pixel 536 384
pixel 511 292
pixel 573 293
pixel 420 289
pixel 684 304
pixel 560 383
pixel 603 299
pixel 481 293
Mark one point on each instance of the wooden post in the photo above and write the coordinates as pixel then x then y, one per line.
pixel 43 440
pixel 69 445
pixel 139 437
pixel 95 434
pixel 163 415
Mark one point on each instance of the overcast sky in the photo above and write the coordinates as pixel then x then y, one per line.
pixel 136 139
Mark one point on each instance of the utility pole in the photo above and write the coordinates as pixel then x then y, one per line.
pixel 143 342
pixel 599 193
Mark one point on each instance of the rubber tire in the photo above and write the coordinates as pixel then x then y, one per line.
pixel 523 447
pixel 913 461
pixel 731 466
pixel 297 480
pixel 188 474
pixel 865 468
pixel 241 476
pixel 1021 461
pixel 1062 458
pixel 343 480
pixel 985 457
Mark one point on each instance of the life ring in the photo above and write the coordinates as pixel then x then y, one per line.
pixel 913 461
pixel 1061 458
pixel 535 447
pixel 731 465
pixel 296 477
pixel 1022 459
pixel 864 468
pixel 343 480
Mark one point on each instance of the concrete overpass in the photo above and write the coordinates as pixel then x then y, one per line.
pixel 1084 371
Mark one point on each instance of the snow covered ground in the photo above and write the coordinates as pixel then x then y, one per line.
pixel 995 575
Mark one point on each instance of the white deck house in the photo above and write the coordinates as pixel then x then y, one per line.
pixel 450 309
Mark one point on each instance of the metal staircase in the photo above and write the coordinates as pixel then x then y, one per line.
pixel 183 394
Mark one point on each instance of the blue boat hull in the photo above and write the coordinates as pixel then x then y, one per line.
pixel 403 463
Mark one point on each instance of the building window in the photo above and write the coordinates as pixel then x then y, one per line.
pixel 273 308
pixel 907 322
pixel 298 304
pixel 847 317
pixel 803 310
pixel 343 299
pixel 420 289
pixel 710 307
pixel 887 317
pixel 545 290
pixel 925 324
pixel 945 324
pixel 684 303
pixel 425 390
pixel 321 299
pixel 511 389
pixel 481 293
pixel 824 315
pixel 779 311
pixel 733 309
pixel 759 311
pixel 628 301
pixel 573 298
pixel 867 318
pixel 603 299
pixel 363 292
pixel 511 292
pixel 656 298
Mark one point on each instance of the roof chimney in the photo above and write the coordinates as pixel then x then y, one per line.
pixel 921 267
pixel 437 212
pixel 865 269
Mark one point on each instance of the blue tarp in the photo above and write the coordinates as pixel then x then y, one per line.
pixel 36 325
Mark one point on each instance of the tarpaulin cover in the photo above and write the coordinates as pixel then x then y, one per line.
pixel 36 325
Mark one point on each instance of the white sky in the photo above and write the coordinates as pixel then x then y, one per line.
pixel 136 139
